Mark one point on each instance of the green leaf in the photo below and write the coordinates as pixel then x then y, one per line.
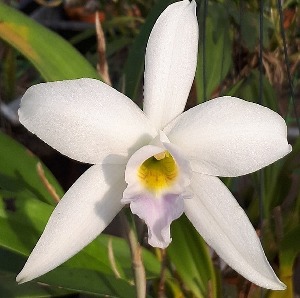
pixel 248 23
pixel 134 66
pixel 218 47
pixel 52 56
pixel 122 256
pixel 78 280
pixel 10 262
pixel 10 265
pixel 23 218
pixel 116 45
pixel 289 250
pixel 9 73
pixel 189 253
pixel 90 282
pixel 250 30
pixel 18 171
pixel 10 289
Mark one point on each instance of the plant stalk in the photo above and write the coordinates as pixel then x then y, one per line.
pixel 136 255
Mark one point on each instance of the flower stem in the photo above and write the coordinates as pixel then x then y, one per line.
pixel 50 188
pixel 136 254
pixel 161 285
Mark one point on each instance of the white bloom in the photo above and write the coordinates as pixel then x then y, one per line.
pixel 161 162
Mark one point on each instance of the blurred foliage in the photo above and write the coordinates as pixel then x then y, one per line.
pixel 42 46
pixel 228 64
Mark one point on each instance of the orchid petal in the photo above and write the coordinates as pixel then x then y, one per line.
pixel 223 224
pixel 229 137
pixel 82 214
pixel 86 120
pixel 170 62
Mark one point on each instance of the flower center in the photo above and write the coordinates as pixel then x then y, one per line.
pixel 158 172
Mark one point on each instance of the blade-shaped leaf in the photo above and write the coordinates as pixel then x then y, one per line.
pixel 90 282
pixel 189 253
pixel 289 250
pixel 10 289
pixel 218 46
pixel 19 173
pixel 56 282
pixel 52 56
pixel 23 218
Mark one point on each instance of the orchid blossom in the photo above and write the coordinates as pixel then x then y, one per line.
pixel 162 161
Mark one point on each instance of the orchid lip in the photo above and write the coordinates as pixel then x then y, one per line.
pixel 158 176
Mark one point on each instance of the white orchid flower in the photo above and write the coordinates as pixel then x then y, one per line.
pixel 160 161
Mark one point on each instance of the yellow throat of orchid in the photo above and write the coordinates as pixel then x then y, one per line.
pixel 158 172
